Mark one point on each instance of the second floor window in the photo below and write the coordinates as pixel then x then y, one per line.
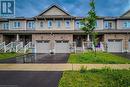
pixel 126 24
pixel 49 24
pixel 78 25
pixel 107 25
pixel 41 24
pixel 5 26
pixel 96 25
pixel 58 23
pixel 31 24
pixel 17 24
pixel 67 23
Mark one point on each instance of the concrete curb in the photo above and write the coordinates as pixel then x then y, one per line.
pixel 58 67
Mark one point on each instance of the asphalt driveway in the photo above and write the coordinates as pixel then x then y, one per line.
pixel 38 58
pixel 29 79
pixel 125 55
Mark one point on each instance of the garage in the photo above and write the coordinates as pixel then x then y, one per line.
pixel 62 46
pixel 129 46
pixel 42 46
pixel 114 46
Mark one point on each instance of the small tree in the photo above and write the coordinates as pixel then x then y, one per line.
pixel 89 24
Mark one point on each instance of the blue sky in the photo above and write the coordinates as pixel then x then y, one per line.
pixel 30 8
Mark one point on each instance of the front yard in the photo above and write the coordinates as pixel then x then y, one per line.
pixel 8 55
pixel 101 58
pixel 96 78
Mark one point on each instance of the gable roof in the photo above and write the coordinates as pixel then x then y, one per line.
pixel 126 14
pixel 50 7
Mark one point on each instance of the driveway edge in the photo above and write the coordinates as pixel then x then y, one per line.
pixel 59 67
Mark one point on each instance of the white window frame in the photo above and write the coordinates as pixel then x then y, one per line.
pixel 58 23
pixel 106 24
pixel 16 24
pixel 41 24
pixel 127 25
pixel 31 24
pixel 66 25
pixel 77 24
pixel 96 25
pixel 49 26
pixel 5 25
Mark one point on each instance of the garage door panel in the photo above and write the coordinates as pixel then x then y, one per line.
pixel 114 46
pixel 42 47
pixel 129 46
pixel 62 47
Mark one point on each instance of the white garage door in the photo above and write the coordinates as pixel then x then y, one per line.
pixel 129 46
pixel 62 47
pixel 42 46
pixel 114 46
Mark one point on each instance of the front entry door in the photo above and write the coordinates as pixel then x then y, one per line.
pixel 79 42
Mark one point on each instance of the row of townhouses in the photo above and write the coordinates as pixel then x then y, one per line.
pixel 54 28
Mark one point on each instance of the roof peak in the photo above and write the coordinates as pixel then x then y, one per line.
pixel 54 5
pixel 124 14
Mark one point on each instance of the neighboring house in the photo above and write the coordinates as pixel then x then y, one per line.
pixel 54 28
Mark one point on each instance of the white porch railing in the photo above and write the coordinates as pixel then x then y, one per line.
pixel 102 45
pixel 2 47
pixel 14 44
pixel 8 47
pixel 73 47
pixel 19 46
pixel 87 45
pixel 16 47
pixel 90 45
pixel 28 46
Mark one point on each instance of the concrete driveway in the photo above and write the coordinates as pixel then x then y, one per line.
pixel 38 58
pixel 29 79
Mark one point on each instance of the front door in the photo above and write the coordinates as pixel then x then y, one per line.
pixel 79 41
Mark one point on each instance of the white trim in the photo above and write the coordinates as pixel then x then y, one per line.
pixel 49 21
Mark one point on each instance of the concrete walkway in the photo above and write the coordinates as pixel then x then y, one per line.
pixel 58 67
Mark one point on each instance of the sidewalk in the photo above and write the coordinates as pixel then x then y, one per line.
pixel 58 67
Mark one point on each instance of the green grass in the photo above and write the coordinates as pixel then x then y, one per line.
pixel 101 58
pixel 8 55
pixel 96 78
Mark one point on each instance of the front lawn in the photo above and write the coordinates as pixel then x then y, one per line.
pixel 101 58
pixel 8 55
pixel 96 78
